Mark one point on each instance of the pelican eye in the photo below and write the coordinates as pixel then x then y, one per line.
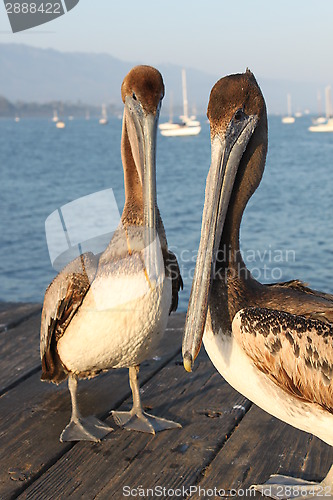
pixel 134 96
pixel 239 114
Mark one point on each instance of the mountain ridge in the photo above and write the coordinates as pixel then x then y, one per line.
pixel 44 75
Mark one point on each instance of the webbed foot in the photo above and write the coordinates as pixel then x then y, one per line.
pixel 142 422
pixel 85 429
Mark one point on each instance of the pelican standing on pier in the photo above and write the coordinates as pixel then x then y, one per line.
pixel 272 343
pixel 110 311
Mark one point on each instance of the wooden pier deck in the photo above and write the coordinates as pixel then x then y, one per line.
pixel 225 443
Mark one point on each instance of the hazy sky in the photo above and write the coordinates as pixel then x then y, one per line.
pixel 289 39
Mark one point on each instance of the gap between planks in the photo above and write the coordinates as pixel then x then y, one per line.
pixel 13 314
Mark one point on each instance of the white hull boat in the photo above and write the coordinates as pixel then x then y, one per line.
pixel 188 126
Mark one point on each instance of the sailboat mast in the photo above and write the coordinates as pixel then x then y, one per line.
pixel 328 101
pixel 319 103
pixel 289 104
pixel 185 102
pixel 171 108
pixel 104 114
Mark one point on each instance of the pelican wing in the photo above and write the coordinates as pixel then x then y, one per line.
pixel 296 352
pixel 309 303
pixel 177 281
pixel 62 299
pixel 313 295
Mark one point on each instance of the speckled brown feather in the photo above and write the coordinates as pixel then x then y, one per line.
pixel 293 351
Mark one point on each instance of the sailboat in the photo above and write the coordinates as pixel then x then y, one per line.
pixel 55 119
pixel 289 118
pixel 327 125
pixel 188 125
pixel 104 118
pixel 320 118
pixel 170 124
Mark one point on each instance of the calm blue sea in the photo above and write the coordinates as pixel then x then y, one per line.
pixel 287 230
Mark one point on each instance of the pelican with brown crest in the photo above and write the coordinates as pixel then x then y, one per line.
pixel 272 343
pixel 111 310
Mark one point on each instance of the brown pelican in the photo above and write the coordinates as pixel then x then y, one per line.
pixel 110 311
pixel 272 343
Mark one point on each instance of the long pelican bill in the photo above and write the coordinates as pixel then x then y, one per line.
pixel 142 131
pixel 226 154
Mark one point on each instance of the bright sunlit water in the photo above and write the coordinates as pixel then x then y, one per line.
pixel 287 229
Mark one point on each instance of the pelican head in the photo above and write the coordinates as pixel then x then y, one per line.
pixel 238 124
pixel 142 92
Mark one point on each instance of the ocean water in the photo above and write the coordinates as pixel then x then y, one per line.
pixel 287 229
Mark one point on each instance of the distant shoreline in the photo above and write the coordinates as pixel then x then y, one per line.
pixel 79 109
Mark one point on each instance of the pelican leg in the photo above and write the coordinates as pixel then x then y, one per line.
pixel 286 487
pixel 137 419
pixel 82 428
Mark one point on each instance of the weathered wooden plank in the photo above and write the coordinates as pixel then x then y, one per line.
pixel 12 314
pixel 207 408
pixel 32 414
pixel 261 446
pixel 4 306
pixel 19 349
